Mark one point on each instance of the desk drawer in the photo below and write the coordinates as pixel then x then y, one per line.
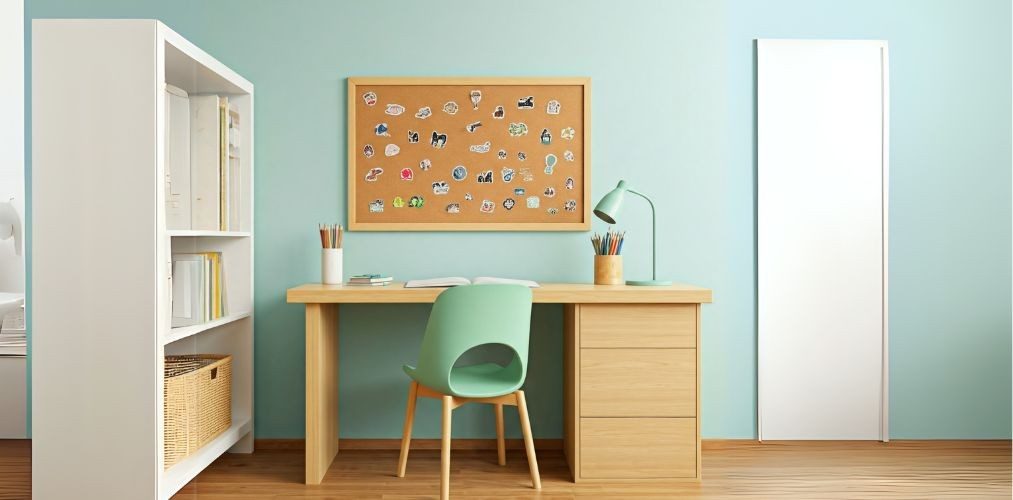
pixel 638 382
pixel 638 448
pixel 638 325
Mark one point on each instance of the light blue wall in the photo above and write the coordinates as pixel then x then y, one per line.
pixel 673 113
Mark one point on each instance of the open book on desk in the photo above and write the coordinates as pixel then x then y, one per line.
pixel 455 281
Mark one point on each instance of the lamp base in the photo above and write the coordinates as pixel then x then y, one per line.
pixel 648 282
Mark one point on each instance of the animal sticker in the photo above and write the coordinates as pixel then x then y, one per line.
pixel 373 174
pixel 550 192
pixel 467 197
pixel 413 136
pixel 453 208
pixel 441 187
pixel 424 112
pixel 425 165
pixel 498 113
pixel 568 183
pixel 391 150
pixel 394 109
pixel 521 155
pixel 570 206
pixel 552 211
pixel 501 154
pixel 376 206
pixel 526 102
pixel 439 140
pixel 485 177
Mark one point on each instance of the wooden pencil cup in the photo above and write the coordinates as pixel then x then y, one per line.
pixel 608 269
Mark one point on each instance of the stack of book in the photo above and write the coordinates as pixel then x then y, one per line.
pixel 369 280
pixel 198 288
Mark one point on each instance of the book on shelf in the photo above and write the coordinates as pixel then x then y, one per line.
pixel 215 173
pixel 198 288
pixel 458 281
pixel 177 157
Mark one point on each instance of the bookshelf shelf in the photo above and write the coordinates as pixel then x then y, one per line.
pixel 181 233
pixel 181 473
pixel 127 124
pixel 182 332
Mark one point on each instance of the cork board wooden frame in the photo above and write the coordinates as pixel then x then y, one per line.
pixel 408 178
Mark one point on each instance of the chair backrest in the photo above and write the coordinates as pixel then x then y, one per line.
pixel 465 317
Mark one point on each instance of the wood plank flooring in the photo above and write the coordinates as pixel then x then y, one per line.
pixel 732 469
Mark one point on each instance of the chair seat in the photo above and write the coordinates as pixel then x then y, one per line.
pixel 485 380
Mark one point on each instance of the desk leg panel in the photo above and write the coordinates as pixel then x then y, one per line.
pixel 321 389
pixel 571 388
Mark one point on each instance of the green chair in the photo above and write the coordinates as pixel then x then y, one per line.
pixel 462 318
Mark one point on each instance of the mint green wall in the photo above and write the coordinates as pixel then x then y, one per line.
pixel 689 63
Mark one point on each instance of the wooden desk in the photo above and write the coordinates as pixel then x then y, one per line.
pixel 631 384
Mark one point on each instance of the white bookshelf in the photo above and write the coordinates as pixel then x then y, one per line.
pixel 102 259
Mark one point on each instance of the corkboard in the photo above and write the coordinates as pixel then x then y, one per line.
pixel 553 199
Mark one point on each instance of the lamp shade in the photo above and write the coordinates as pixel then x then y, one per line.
pixel 607 208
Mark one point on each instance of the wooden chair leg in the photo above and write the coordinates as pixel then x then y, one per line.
pixel 529 443
pixel 406 434
pixel 448 408
pixel 500 439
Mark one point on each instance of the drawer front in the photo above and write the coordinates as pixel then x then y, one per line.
pixel 638 325
pixel 637 448
pixel 638 382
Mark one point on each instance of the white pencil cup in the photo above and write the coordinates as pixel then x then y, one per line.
pixel 330 266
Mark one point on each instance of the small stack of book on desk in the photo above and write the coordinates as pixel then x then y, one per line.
pixel 370 280
pixel 198 288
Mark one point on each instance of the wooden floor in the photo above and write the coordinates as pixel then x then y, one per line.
pixel 732 469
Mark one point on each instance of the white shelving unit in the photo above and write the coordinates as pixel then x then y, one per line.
pixel 102 259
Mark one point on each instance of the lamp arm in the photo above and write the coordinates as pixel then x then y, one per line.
pixel 654 236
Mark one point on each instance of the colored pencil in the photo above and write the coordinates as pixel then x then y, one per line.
pixel 611 243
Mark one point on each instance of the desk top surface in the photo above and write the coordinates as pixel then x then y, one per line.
pixel 547 293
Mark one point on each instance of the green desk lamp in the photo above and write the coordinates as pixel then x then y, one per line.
pixel 606 210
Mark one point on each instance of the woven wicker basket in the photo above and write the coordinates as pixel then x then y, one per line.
pixel 198 402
